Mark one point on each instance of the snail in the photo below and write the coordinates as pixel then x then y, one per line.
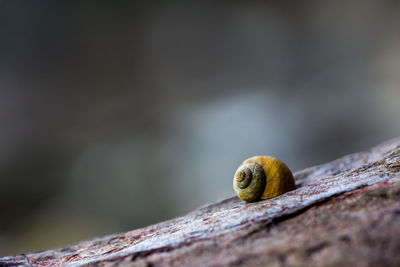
pixel 262 177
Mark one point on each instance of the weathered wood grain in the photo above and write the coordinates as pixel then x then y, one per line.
pixel 344 212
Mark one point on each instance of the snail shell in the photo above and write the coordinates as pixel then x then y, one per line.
pixel 262 177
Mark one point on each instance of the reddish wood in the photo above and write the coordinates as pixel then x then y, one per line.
pixel 344 212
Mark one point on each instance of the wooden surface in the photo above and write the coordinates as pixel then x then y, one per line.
pixel 346 212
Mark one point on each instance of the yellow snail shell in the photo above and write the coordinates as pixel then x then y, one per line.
pixel 262 177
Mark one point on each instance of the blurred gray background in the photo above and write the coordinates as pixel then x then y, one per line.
pixel 115 115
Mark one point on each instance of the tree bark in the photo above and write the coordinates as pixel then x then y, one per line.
pixel 346 212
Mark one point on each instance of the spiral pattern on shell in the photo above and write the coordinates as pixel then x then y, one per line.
pixel 262 177
pixel 250 182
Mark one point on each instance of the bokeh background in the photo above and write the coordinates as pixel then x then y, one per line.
pixel 115 115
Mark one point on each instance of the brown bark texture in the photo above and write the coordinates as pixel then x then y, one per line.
pixel 342 213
